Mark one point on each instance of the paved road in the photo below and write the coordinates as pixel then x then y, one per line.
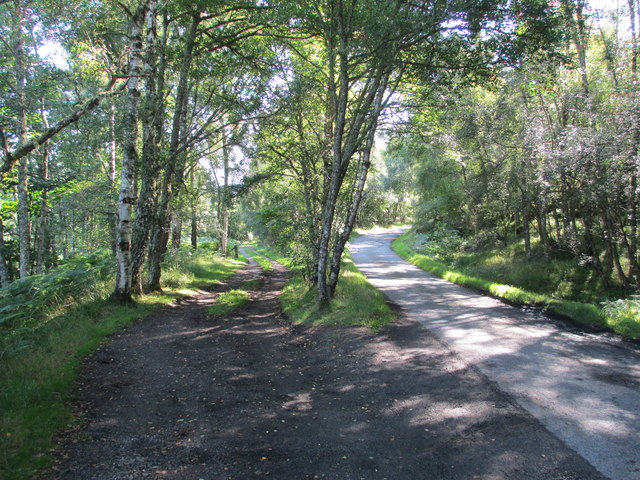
pixel 584 388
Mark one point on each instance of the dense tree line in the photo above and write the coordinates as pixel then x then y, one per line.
pixel 546 155
pixel 113 144
pixel 140 127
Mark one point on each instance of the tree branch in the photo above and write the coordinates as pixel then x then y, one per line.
pixel 12 158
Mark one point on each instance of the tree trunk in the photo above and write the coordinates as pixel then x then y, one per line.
pixel 350 221
pixel 4 270
pixel 43 239
pixel 632 207
pixel 224 237
pixel 122 292
pixel 24 223
pixel 526 228
pixel 194 227
pixel 338 249
pixel 542 228
pixel 146 204
pixel 112 145
pixel 348 132
pixel 176 232
pixel 174 168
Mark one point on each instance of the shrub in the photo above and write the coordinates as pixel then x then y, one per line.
pixel 440 243
pixel 624 315
pixel 27 301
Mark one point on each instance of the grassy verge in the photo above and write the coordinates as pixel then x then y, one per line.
pixel 39 364
pixel 581 312
pixel 264 263
pixel 271 253
pixel 356 301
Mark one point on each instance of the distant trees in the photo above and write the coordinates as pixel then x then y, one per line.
pixel 151 101
pixel 344 63
pixel 548 153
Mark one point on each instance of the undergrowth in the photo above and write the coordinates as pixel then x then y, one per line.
pixel 536 285
pixel 31 300
pixel 41 349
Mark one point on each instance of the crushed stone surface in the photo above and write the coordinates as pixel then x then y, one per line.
pixel 186 395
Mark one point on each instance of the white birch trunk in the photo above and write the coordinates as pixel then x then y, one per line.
pixel 126 196
pixel 24 223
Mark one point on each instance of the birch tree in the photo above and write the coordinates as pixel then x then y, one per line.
pixel 126 197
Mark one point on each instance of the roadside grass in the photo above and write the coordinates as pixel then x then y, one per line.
pixel 271 253
pixel 356 301
pixel 264 263
pixel 40 360
pixel 581 312
pixel 228 301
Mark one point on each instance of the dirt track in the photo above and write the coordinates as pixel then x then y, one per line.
pixel 183 395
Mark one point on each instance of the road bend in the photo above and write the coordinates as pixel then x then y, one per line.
pixel 583 387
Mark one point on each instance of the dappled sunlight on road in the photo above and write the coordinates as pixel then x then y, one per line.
pixel 583 389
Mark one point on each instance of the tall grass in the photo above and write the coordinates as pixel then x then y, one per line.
pixel 618 320
pixel 41 350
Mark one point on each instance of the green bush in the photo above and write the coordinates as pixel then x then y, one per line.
pixel 624 314
pixel 28 301
pixel 441 243
pixel 212 246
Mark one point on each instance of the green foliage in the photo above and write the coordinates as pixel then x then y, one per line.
pixel 28 302
pixel 441 243
pixel 212 246
pixel 39 364
pixel 624 315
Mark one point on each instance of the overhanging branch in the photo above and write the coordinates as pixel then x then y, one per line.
pixel 11 158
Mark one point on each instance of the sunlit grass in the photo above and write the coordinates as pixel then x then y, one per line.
pixel 356 301
pixel 264 263
pixel 228 301
pixel 271 253
pixel 39 364
pixel 585 313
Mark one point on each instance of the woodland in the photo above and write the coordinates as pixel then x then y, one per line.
pixel 505 132
pixel 144 141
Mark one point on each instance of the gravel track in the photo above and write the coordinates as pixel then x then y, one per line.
pixel 184 395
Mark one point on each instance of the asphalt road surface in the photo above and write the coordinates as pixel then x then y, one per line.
pixel 583 387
